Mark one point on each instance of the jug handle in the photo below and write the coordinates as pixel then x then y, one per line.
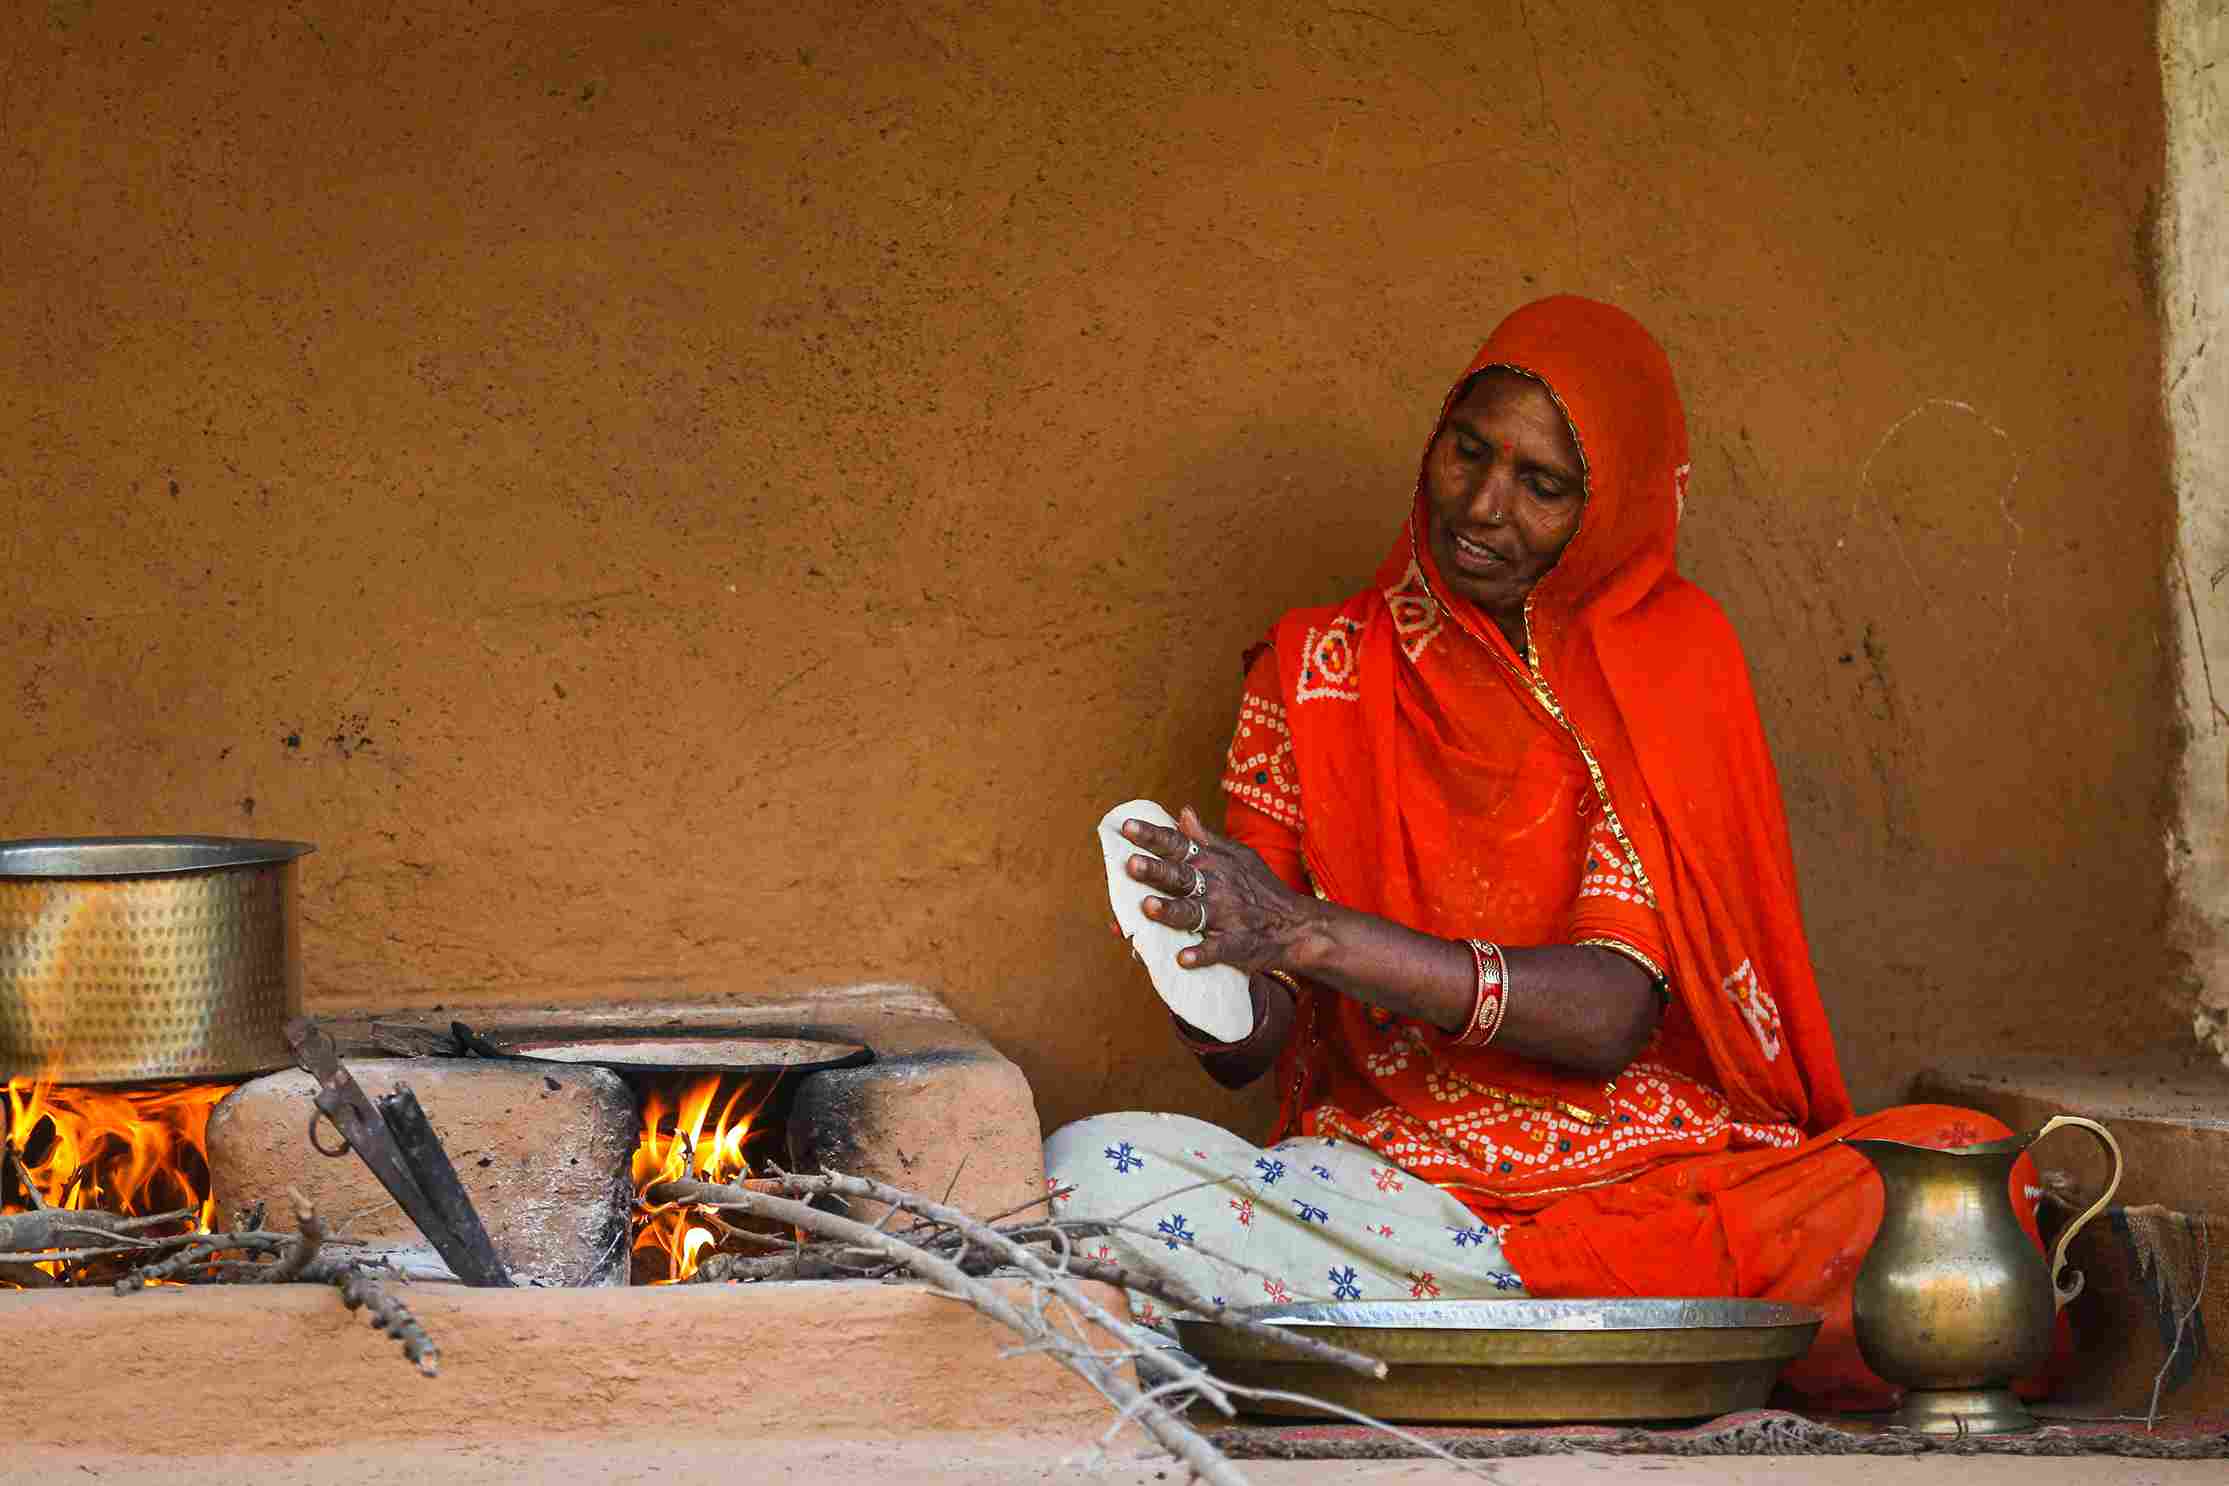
pixel 2073 1288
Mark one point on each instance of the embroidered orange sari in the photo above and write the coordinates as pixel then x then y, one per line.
pixel 1610 785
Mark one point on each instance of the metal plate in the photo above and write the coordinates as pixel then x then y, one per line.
pixel 1523 1361
pixel 709 1055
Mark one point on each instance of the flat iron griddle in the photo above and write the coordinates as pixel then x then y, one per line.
pixel 696 1054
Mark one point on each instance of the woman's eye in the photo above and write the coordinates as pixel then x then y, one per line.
pixel 1468 448
pixel 1547 489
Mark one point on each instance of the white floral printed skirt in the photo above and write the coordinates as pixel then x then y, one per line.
pixel 1308 1219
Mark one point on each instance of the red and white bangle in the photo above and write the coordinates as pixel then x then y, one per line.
pixel 1492 1001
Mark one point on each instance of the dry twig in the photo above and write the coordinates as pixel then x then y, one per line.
pixel 806 1262
pixel 31 1192
pixel 1054 1279
pixel 54 1228
pixel 1050 1194
pixel 360 1290
pixel 302 1257
pixel 198 1250
pixel 309 1237
pixel 1159 1286
pixel 1098 1368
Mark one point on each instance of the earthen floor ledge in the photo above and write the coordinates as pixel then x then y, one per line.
pixel 992 1460
pixel 2170 1116
pixel 223 1370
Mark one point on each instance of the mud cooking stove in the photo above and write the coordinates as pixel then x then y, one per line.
pixel 554 1147
pixel 199 1373
pixel 935 1105
pixel 146 987
pixel 548 1155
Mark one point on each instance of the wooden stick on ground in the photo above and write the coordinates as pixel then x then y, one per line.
pixel 1174 1435
pixel 1159 1286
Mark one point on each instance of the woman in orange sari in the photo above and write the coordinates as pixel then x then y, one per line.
pixel 1506 860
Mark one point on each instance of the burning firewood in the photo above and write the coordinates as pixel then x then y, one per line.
pixel 56 1235
pixel 700 1131
pixel 77 1231
pixel 127 1151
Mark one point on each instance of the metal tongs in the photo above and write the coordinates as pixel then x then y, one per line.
pixel 397 1141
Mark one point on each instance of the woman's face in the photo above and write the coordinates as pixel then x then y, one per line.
pixel 1505 486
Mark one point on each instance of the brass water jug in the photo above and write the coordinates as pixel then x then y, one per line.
pixel 1954 1302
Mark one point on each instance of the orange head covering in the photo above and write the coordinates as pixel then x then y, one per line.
pixel 1647 673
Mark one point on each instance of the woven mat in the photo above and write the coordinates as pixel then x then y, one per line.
pixel 1758 1432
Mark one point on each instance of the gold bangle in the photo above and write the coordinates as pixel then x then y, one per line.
pixel 1620 947
pixel 1285 980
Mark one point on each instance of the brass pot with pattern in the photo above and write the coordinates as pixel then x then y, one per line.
pixel 1954 1303
pixel 129 959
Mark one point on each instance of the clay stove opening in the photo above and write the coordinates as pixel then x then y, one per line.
pixel 715 1127
pixel 136 1151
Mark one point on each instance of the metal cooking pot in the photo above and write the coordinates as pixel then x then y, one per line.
pixel 147 957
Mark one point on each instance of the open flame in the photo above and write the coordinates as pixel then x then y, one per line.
pixel 682 1137
pixel 130 1151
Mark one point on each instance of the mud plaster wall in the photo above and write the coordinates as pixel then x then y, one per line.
pixel 721 502
pixel 2194 240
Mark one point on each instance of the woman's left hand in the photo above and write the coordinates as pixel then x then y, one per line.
pixel 1251 919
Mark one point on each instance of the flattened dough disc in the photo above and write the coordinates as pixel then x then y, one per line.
pixel 709 1054
pixel 1212 998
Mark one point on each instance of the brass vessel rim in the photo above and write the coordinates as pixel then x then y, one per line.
pixel 2011 1145
pixel 71 857
pixel 1535 1315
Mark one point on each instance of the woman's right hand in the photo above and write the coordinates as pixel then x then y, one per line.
pixel 1252 921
